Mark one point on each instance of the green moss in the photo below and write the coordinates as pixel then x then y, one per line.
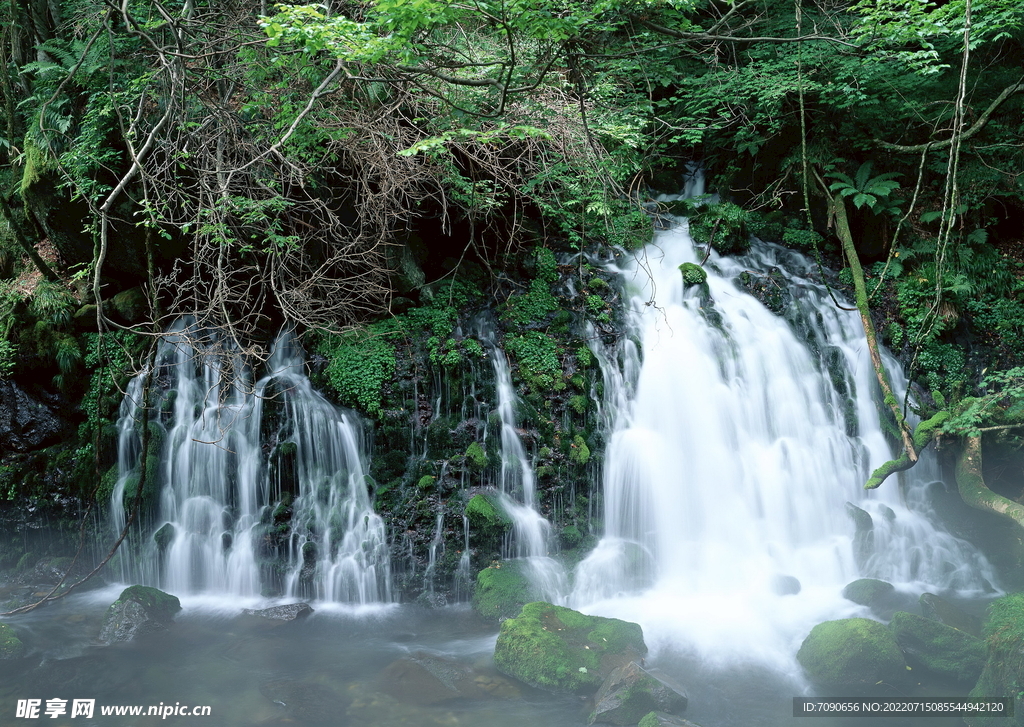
pixel 537 360
pixel 851 651
pixel 476 456
pixel 939 649
pixel 360 362
pixel 426 482
pixel 579 452
pixel 561 650
pixel 693 274
pixel 501 591
pixel 11 646
pixel 650 720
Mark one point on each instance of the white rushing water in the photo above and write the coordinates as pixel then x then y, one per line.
pixel 217 485
pixel 517 486
pixel 735 447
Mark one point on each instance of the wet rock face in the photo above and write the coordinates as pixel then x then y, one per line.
pixel 26 422
pixel 139 610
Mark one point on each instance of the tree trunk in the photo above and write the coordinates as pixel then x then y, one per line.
pixel 975 492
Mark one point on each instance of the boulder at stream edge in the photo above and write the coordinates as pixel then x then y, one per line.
pixel 631 692
pixel 851 652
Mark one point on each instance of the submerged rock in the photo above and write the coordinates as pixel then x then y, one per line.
pixel 307 703
pixel 783 585
pixel 851 652
pixel 560 650
pixel 661 719
pixel 937 648
pixel 630 692
pixel 11 646
pixel 425 679
pixel 286 612
pixel 138 610
pixel 941 610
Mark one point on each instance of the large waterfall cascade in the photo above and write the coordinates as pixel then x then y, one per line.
pixel 737 438
pixel 218 478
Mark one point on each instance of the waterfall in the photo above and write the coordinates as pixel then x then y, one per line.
pixel 517 485
pixel 738 437
pixel 231 449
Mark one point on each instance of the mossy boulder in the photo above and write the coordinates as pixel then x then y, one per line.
pixel 502 590
pixel 868 591
pixel 663 719
pixel 851 652
pixel 10 645
pixel 476 456
pixel 693 274
pixel 937 648
pixel 137 611
pixel 1003 675
pixel 560 650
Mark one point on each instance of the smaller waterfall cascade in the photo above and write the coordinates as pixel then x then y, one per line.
pixel 531 532
pixel 738 438
pixel 231 449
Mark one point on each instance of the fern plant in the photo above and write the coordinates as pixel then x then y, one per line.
pixel 872 191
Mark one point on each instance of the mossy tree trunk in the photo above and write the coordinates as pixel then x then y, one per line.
pixel 838 208
pixel 974 491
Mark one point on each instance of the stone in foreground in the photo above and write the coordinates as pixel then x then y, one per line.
pixel 630 692
pixel 11 646
pixel 851 652
pixel 561 650
pixel 138 610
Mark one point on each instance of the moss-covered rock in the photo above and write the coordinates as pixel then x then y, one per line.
pixel 10 645
pixel 476 456
pixel 693 274
pixel 937 648
pixel 561 650
pixel 138 610
pixel 869 592
pixel 502 590
pixel 1003 675
pixel 488 525
pixel 851 652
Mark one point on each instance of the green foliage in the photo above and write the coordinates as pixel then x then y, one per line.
pixel 579 452
pixel 532 307
pixel 537 356
pixel 866 190
pixel 359 364
pixel 52 302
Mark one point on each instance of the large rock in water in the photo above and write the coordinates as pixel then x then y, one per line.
pixel 851 652
pixel 937 648
pixel 561 650
pixel 941 610
pixel 138 610
pixel 630 692
pixel 424 679
pixel 502 590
